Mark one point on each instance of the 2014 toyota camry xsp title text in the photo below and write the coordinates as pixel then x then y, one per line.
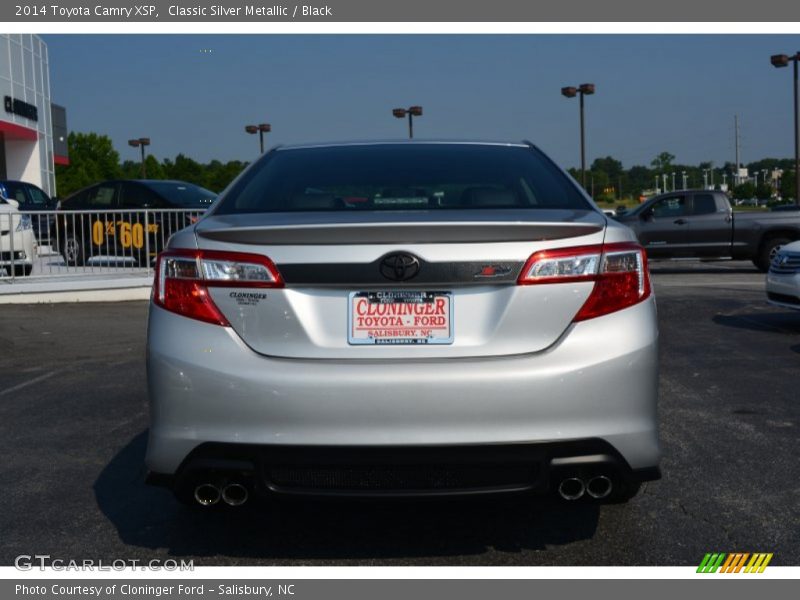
pixel 404 318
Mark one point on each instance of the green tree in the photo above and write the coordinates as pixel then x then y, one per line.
pixel 743 191
pixel 763 190
pixel 662 162
pixel 92 158
pixel 640 178
pixel 185 169
pixel 787 185
pixel 154 168
pixel 219 175
pixel 610 166
pixel 130 169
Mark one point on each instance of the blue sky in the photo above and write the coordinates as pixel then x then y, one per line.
pixel 194 93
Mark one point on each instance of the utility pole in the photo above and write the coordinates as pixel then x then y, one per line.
pixel 736 130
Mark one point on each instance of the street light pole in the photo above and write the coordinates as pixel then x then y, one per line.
pixel 260 129
pixel 778 61
pixel 410 112
pixel 796 133
pixel 141 143
pixel 585 89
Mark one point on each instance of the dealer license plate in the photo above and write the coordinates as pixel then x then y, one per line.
pixel 400 317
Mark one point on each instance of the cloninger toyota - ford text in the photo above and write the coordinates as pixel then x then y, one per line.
pixel 402 319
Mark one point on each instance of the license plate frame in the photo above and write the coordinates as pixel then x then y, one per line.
pixel 356 331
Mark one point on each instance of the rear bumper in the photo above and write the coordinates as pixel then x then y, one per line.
pixel 417 471
pixel 599 381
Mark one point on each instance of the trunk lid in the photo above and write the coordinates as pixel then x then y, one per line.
pixel 470 258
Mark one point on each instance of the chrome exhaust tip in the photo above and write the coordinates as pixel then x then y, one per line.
pixel 206 494
pixel 235 494
pixel 599 487
pixel 571 488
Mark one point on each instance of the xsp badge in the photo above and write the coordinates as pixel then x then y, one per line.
pixel 248 298
pixel 489 271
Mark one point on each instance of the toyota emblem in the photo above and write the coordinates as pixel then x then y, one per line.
pixel 399 266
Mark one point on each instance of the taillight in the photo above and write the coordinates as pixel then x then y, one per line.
pixel 182 279
pixel 619 273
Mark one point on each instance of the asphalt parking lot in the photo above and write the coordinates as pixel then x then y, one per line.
pixel 73 416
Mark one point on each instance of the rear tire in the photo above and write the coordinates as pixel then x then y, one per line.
pixel 73 250
pixel 769 248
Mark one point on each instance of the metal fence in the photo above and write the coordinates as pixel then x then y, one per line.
pixel 41 244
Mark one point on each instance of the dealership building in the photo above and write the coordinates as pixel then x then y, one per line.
pixel 33 132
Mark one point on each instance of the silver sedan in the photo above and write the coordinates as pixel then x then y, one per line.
pixel 403 319
pixel 783 278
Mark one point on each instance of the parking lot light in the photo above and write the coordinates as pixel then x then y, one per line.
pixel 142 143
pixel 780 61
pixel 584 89
pixel 411 112
pixel 260 129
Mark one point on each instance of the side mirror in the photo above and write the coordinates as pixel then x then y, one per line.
pixel 647 214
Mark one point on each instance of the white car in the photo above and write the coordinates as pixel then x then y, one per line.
pixel 17 242
pixel 783 278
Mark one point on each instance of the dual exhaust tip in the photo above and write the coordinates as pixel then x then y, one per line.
pixel 232 494
pixel 573 488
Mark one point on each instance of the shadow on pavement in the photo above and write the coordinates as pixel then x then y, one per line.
pixel 786 323
pixel 352 531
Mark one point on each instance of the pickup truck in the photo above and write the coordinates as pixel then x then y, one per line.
pixel 701 224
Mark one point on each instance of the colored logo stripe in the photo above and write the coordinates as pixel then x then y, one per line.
pixel 734 562
pixel 758 563
pixel 711 562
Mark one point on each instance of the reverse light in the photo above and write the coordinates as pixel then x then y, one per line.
pixel 619 272
pixel 182 279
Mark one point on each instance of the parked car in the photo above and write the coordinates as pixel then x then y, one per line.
pixel 17 243
pixel 701 224
pixel 784 207
pixel 31 199
pixel 394 319
pixel 130 218
pixel 783 278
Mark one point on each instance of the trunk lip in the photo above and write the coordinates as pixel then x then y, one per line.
pixel 406 227
pixel 334 218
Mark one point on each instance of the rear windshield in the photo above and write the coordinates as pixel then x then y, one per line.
pixel 387 177
pixel 183 195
